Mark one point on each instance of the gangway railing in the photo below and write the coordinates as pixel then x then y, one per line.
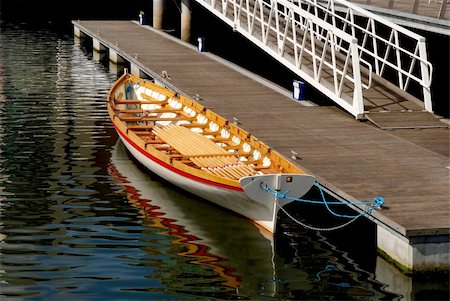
pixel 324 48
pixel 396 53
pixel 302 42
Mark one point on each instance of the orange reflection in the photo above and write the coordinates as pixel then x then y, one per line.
pixel 198 252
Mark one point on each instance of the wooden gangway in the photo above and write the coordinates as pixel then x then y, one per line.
pixel 438 9
pixel 363 62
pixel 354 159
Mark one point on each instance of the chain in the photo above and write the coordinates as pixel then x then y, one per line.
pixel 316 228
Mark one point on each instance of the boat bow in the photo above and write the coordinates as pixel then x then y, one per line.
pixel 256 187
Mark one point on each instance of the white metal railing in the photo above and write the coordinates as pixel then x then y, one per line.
pixel 395 53
pixel 320 53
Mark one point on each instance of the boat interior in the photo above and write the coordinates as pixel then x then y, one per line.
pixel 188 133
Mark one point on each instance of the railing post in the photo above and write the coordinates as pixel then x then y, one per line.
pixel 358 103
pixel 442 10
pixel 390 4
pixel 425 75
pixel 415 6
pixel 237 14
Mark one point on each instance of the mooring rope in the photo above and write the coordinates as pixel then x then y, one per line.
pixel 375 204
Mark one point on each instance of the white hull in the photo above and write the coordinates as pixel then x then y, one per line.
pixel 232 199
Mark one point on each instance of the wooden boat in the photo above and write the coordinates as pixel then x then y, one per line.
pixel 194 227
pixel 201 152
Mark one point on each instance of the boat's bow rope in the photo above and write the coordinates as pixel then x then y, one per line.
pixel 375 204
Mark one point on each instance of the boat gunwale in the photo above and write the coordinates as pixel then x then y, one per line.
pixel 177 166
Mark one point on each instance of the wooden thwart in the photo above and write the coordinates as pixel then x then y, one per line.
pixel 154 111
pixel 187 142
pixel 203 152
pixel 138 102
pixel 228 167
pixel 138 118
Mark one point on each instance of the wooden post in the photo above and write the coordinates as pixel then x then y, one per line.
pixel 185 20
pixel 158 13
pixel 97 46
pixel 115 57
pixel 78 33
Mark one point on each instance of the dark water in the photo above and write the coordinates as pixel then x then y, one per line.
pixel 81 221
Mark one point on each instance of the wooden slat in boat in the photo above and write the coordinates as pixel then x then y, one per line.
pixel 229 167
pixel 195 125
pixel 144 133
pixel 235 147
pixel 138 127
pixel 143 111
pixel 210 132
pixel 155 141
pixel 164 147
pixel 228 154
pixel 187 142
pixel 138 118
pixel 215 171
pixel 150 98
pixel 138 102
pixel 203 152
pixel 220 139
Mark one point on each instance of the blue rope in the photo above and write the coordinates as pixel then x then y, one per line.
pixel 375 204
pixel 329 268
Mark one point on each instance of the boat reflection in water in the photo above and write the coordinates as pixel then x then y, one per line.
pixel 238 255
pixel 222 255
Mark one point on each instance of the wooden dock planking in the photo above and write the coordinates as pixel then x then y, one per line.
pixel 357 159
pixel 404 120
pixel 428 139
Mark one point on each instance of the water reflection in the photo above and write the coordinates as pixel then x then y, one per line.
pixel 227 255
pixel 53 126
pixel 244 262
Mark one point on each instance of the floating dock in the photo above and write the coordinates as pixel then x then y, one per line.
pixel 355 160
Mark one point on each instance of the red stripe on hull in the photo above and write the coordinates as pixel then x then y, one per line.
pixel 173 169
